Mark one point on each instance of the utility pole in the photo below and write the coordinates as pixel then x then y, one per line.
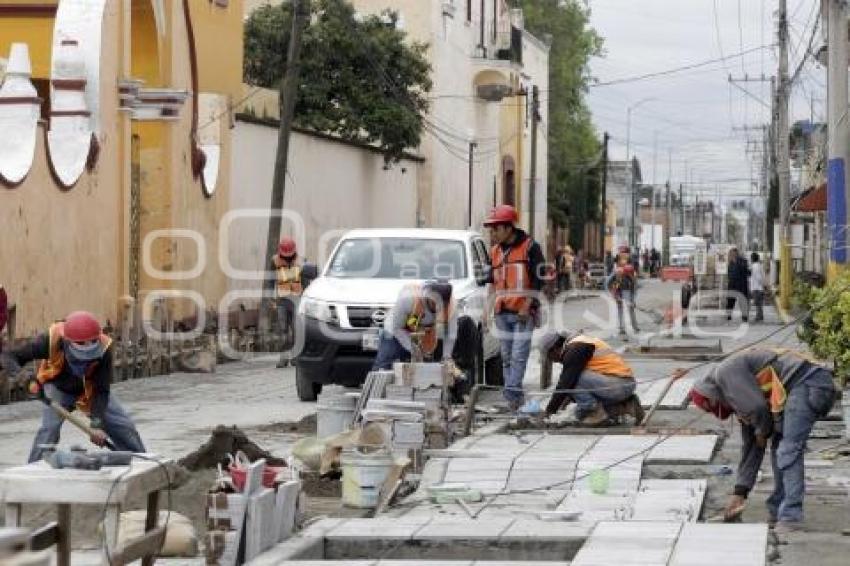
pixel 604 214
pixel 665 252
pixel 838 138
pixel 783 156
pixel 535 118
pixel 681 210
pixel 652 200
pixel 288 94
pixel 472 146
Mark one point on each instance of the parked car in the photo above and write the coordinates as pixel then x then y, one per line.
pixel 596 275
pixel 343 309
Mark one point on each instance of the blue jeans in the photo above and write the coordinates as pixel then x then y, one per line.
pixel 595 388
pixel 116 424
pixel 515 341
pixel 807 401
pixel 390 351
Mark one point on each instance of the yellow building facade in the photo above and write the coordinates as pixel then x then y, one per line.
pixel 129 175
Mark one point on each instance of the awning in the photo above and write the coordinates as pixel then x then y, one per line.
pixel 812 200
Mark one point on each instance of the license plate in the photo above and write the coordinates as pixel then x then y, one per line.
pixel 370 340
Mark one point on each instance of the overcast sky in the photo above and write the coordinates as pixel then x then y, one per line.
pixel 694 112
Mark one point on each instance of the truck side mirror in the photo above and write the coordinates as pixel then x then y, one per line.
pixel 484 275
pixel 309 272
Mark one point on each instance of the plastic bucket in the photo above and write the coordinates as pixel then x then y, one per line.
pixel 362 478
pixel 332 419
pixel 599 481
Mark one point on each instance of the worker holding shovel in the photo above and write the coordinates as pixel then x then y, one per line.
pixel 76 370
pixel 777 395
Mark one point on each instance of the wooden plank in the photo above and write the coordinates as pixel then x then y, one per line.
pixel 147 545
pixel 45 537
pixel 63 543
pixel 151 518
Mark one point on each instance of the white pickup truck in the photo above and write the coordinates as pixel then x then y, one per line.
pixel 342 310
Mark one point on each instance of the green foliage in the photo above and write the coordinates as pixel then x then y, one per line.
pixel 827 332
pixel 574 149
pixel 359 80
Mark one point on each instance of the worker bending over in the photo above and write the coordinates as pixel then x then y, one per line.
pixel 777 395
pixel 76 370
pixel 596 377
pixel 422 315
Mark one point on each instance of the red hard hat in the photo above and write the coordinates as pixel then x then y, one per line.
pixel 287 248
pixel 81 326
pixel 502 214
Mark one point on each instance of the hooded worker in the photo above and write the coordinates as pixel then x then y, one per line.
pixel 777 395
pixel 593 375
pixel 76 371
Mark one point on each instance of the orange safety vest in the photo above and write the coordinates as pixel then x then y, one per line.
pixel 50 368
pixel 289 281
pixel 771 384
pixel 413 321
pixel 605 360
pixel 511 277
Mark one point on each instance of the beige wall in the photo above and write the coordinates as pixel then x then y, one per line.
pixel 331 186
pixel 60 249
pixel 535 71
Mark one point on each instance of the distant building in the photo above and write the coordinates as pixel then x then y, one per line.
pixel 622 179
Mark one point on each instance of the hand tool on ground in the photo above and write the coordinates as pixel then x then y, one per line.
pixel 79 459
pixel 730 517
pixel 673 378
pixel 35 388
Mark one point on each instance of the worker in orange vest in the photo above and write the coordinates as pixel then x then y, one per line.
pixel 423 314
pixel 596 377
pixel 517 262
pixel 288 289
pixel 76 371
pixel 777 395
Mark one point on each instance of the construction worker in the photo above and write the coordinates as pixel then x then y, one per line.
pixel 777 395
pixel 76 371
pixel 288 290
pixel 422 314
pixel 596 377
pixel 516 261
pixel 622 285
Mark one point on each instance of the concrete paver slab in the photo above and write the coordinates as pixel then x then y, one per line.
pixel 703 544
pixel 470 529
pixel 629 544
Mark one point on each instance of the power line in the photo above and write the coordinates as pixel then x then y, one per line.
pixel 675 70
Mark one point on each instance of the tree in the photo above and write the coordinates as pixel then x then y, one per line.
pixel 574 149
pixel 360 80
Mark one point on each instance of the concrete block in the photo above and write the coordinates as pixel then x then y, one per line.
pixel 477 529
pixel 379 528
pixel 629 544
pixel 534 529
pixel 683 450
pixel 704 544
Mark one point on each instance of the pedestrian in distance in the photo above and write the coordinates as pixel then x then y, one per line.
pixel 737 286
pixel 593 375
pixel 76 372
pixel 516 261
pixel 622 285
pixel 757 285
pixel 777 395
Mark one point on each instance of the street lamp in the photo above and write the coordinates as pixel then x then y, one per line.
pixel 632 232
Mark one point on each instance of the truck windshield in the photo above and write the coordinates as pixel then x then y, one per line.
pixel 399 258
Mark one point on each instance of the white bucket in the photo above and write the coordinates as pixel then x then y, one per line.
pixel 845 410
pixel 362 478
pixel 332 419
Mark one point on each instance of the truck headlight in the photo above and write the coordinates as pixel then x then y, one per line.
pixel 319 310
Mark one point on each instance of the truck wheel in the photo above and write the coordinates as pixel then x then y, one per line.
pixel 306 388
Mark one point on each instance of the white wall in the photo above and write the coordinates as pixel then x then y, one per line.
pixel 332 186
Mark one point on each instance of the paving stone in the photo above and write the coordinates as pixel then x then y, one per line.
pixel 548 530
pixel 481 528
pixel 704 544
pixel 669 500
pixel 379 528
pixel 684 450
pixel 629 544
